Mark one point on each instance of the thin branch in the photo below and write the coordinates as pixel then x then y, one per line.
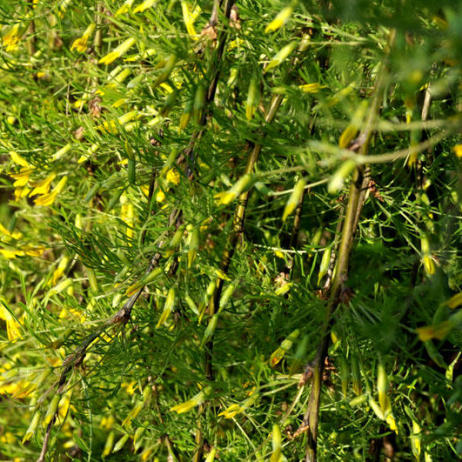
pixel 31 42
pixel 214 70
pixel 308 186
pixel 360 159
pixel 237 230
pixel 355 203
pixel 98 41
pixel 46 440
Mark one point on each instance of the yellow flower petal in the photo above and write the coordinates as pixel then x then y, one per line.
pixel 11 39
pixel 455 301
pixel 311 87
pixel 17 159
pixel 144 6
pixel 10 254
pixel 458 150
pixel 81 44
pixel 193 402
pixel 231 411
pixel 430 332
pixel 125 8
pixel 21 178
pixel 279 20
pixel 160 196
pixel 189 17
pixel 118 52
pixel 14 234
pixel 173 176
pixel 58 154
pixel 44 186
pixel 12 326
pixel 48 199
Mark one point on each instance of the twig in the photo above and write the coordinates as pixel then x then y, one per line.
pixel 31 42
pixel 330 270
pixel 236 233
pixel 98 41
pixel 238 222
pixel 44 450
pixel 361 159
pixel 214 71
pixel 355 202
pixel 308 186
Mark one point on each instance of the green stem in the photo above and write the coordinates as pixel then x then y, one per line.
pixel 237 230
pixel 98 41
pixel 353 211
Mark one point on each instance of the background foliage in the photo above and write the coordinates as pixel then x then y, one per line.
pixel 175 188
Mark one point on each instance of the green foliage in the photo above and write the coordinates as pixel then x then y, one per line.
pixel 176 184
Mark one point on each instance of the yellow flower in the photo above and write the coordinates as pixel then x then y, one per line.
pixel 91 150
pixel 80 44
pixel 65 403
pixel 107 422
pixel 279 20
pixel 11 39
pixel 125 8
pixel 14 234
pixel 243 184
pixel 458 150
pixel 8 438
pixel 111 126
pixel 189 17
pixel 234 409
pixel 11 253
pixel 60 153
pixel 438 331
pixel 66 313
pixel 138 406
pixel 455 301
pixel 147 453
pixel 48 199
pixel 118 52
pixel 12 326
pixel 21 192
pixel 173 176
pixel 392 423
pixel 129 387
pixel 22 177
pixel 144 6
pixel 127 214
pixel 17 159
pixel 43 187
pixel 231 411
pixel 145 189
pixel 34 252
pixel 193 402
pixel 59 271
pixel 311 87
pixel 160 196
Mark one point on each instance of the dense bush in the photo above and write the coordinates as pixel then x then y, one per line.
pixel 230 231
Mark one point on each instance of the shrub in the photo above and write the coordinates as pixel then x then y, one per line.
pixel 230 230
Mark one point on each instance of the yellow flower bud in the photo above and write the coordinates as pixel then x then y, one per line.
pixel 294 198
pixel 281 56
pixel 281 18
